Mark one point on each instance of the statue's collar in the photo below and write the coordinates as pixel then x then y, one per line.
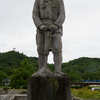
pixel 48 0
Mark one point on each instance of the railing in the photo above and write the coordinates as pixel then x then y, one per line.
pixel 9 95
pixel 85 83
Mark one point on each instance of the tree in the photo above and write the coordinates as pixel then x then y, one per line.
pixel 74 75
pixel 2 76
pixel 96 75
pixel 21 75
pixel 88 76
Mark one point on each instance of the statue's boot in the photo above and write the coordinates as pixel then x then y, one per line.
pixel 58 62
pixel 43 70
pixel 41 61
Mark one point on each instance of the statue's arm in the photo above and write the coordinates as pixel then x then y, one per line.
pixel 35 14
pixel 61 15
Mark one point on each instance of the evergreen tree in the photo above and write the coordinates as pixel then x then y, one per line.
pixel 21 75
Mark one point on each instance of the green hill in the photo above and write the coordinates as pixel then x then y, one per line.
pixel 82 69
pixel 77 69
pixel 83 65
pixel 11 60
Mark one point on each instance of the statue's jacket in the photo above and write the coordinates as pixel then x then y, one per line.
pixel 49 12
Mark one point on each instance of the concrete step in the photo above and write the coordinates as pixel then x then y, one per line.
pixel 21 97
pixel 2 96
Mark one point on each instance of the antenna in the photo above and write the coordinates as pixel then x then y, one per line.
pixel 14 49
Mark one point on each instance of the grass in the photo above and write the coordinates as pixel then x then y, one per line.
pixel 20 89
pixel 86 93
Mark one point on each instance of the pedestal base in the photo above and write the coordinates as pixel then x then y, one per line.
pixel 49 88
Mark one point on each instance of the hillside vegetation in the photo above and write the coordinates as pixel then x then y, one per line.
pixel 11 60
pixel 79 69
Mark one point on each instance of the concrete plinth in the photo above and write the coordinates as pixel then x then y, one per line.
pixel 49 88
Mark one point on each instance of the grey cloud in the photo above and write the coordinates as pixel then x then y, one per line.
pixel 81 28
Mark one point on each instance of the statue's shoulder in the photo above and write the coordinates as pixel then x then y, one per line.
pixel 37 1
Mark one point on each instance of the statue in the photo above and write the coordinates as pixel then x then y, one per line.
pixel 48 16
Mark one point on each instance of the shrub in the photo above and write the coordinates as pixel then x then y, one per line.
pixel 86 93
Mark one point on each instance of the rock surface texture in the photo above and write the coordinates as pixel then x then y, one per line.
pixel 45 85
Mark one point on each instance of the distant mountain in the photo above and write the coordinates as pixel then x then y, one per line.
pixel 83 65
pixel 75 69
pixel 11 60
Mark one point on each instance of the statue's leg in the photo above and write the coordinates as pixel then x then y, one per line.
pixel 43 56
pixel 58 62
pixel 57 51
pixel 40 37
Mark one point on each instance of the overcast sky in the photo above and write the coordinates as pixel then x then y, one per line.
pixel 81 29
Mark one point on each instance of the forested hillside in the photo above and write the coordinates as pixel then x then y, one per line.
pixel 82 69
pixel 78 69
pixel 11 60
pixel 83 65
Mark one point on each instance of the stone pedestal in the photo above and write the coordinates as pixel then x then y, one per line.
pixel 49 88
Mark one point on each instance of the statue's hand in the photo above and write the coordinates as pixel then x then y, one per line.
pixel 43 28
pixel 53 27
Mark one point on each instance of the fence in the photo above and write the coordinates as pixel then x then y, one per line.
pixel 9 95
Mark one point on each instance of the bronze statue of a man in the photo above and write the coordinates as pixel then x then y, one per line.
pixel 48 16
